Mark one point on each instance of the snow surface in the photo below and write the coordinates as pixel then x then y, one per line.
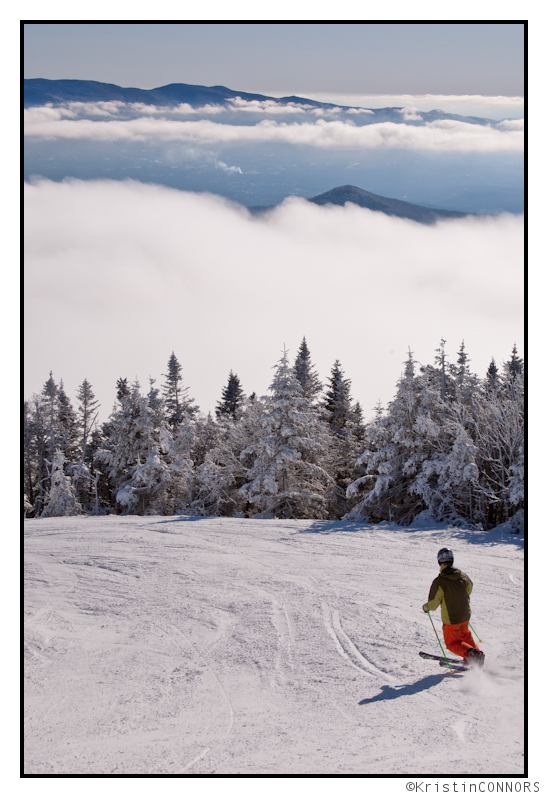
pixel 235 646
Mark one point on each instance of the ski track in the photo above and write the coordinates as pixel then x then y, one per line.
pixel 230 646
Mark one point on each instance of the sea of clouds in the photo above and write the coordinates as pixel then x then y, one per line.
pixel 322 128
pixel 119 274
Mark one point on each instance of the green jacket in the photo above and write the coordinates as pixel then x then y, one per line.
pixel 451 588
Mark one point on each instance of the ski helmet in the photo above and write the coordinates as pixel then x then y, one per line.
pixel 445 555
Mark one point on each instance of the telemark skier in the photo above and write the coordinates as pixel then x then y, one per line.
pixel 452 588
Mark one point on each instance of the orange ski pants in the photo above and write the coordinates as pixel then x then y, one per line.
pixel 458 638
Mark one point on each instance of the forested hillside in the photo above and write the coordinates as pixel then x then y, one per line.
pixel 450 443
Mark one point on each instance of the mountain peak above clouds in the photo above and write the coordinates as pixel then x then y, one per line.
pixel 392 207
pixel 374 202
pixel 40 91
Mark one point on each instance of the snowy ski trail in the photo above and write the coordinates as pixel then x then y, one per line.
pixel 237 646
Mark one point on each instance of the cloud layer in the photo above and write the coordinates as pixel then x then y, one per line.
pixel 120 274
pixel 465 104
pixel 442 135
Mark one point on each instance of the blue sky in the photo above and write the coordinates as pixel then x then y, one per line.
pixel 363 58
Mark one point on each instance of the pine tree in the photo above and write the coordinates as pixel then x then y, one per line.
pixel 129 443
pixel 448 479
pixel 87 416
pixel 288 478
pixel 466 383
pixel 220 473
pixel 88 407
pixel 492 377
pixel 67 425
pixel 232 399
pixel 500 439
pixel 55 426
pixel 34 440
pixel 337 400
pixel 49 394
pixel 346 426
pixel 513 367
pixel 206 435
pixel 304 371
pixel 392 458
pixel 177 401
pixel 122 389
pixel 61 498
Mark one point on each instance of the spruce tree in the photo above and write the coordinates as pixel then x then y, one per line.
pixel 492 377
pixel 49 394
pixel 176 398
pixel 128 445
pixel 499 436
pixel 122 388
pixel 155 404
pixel 346 426
pixel 87 416
pixel 337 401
pixel 231 400
pixel 466 383
pixel 288 477
pixel 304 371
pixel 513 367
pixel 61 497
pixel 67 424
pixel 88 408
pixel 392 458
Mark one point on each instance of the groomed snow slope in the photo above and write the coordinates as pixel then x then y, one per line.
pixel 234 646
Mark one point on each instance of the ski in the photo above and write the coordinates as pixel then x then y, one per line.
pixel 440 659
pixel 460 667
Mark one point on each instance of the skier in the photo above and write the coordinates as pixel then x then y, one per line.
pixel 452 588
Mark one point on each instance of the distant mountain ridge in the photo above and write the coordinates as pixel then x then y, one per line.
pixel 374 202
pixel 40 91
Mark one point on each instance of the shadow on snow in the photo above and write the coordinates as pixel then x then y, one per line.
pixel 388 693
pixel 491 537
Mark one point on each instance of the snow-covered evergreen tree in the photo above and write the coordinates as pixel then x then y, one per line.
pixel 156 408
pixel 206 435
pixel 232 398
pixel 61 498
pixel 500 438
pixel 447 442
pixel 129 443
pixel 465 382
pixel 67 426
pixel 514 366
pixel 49 400
pixel 176 398
pixel 288 478
pixel 122 388
pixel 337 401
pixel 305 373
pixel 219 478
pixel 31 455
pixel 49 425
pixel 392 464
pixel 448 480
pixel 88 410
pixel 229 456
pixel 347 434
pixel 492 377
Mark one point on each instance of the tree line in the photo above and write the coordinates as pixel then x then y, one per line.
pixel 449 443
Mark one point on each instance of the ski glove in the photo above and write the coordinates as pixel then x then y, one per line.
pixel 425 607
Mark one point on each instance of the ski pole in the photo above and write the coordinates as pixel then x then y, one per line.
pixel 472 628
pixel 439 641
